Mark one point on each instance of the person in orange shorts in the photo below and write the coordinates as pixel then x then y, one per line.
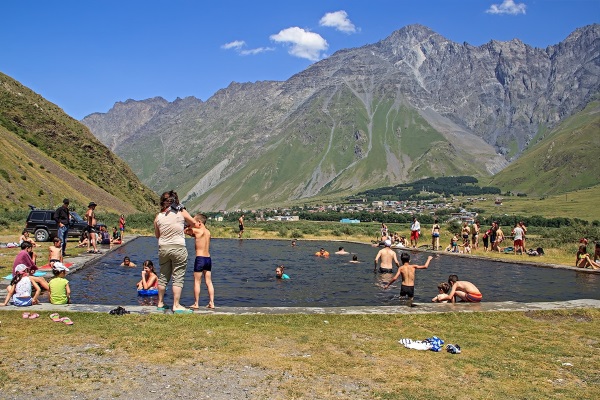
pixel 465 290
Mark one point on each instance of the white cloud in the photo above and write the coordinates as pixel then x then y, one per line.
pixel 338 20
pixel 507 7
pixel 303 44
pixel 258 50
pixel 236 44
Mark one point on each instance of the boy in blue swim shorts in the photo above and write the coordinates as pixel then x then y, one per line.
pixel 203 262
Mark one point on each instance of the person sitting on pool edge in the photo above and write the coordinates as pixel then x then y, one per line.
pixel 463 289
pixel 442 297
pixel 322 253
pixel 279 273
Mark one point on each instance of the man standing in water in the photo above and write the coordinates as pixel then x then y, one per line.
pixel 387 256
pixel 241 225
pixel 63 217
pixel 90 216
pixel 408 276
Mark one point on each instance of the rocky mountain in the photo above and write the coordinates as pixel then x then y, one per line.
pixel 410 106
pixel 45 156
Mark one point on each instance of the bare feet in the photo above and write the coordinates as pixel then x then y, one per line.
pixel 210 305
pixel 194 307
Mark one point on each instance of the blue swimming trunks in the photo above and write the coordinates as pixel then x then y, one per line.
pixel 202 264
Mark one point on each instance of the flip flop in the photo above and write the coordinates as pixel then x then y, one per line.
pixel 163 308
pixel 25 315
pixel 34 316
pixel 186 311
pixel 55 317
pixel 66 321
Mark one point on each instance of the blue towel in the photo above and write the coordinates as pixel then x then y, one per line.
pixel 36 273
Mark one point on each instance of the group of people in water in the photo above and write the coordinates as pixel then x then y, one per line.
pixel 385 260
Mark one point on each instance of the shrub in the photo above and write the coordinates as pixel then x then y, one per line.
pixel 296 234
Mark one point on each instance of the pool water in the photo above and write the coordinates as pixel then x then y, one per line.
pixel 243 275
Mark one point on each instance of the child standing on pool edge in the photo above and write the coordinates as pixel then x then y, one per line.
pixel 203 262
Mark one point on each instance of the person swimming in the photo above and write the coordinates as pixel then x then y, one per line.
pixel 279 273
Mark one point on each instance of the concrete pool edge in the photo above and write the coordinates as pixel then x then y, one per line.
pixel 421 308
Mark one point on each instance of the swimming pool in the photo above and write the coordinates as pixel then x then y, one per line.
pixel 244 276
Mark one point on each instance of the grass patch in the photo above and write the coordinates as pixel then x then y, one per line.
pixel 505 354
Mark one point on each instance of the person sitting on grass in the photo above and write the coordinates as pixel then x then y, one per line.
pixel 442 297
pixel 59 291
pixel 19 290
pixel 149 278
pixel 583 260
pixel 25 238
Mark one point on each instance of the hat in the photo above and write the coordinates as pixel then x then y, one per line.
pixel 58 266
pixel 388 243
pixel 92 204
pixel 19 269
pixel 65 201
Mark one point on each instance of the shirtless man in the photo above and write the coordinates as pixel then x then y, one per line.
pixel 463 289
pixel 55 252
pixel 90 216
pixel 203 262
pixel 341 251
pixel 241 225
pixel 387 256
pixel 407 271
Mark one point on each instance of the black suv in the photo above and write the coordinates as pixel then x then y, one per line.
pixel 42 224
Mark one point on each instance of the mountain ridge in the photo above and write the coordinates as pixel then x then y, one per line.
pixel 427 105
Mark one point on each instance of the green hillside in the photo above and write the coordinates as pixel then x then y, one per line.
pixel 46 155
pixel 350 146
pixel 566 159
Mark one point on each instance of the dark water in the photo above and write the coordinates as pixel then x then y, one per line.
pixel 244 275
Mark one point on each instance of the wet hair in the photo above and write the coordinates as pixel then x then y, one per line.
pixel 355 258
pixel 149 264
pixel 340 249
pixel 444 286
pixel 404 257
pixel 582 249
pixel 201 217
pixel 26 245
pixel 56 239
pixel 126 258
pixel 452 279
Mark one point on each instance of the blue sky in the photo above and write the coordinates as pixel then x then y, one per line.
pixel 85 55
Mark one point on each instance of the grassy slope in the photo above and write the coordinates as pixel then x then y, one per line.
pixel 403 146
pixel 581 204
pixel 43 126
pixel 565 160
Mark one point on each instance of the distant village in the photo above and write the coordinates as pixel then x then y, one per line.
pixel 439 207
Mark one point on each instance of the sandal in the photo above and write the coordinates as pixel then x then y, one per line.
pixel 34 316
pixel 66 321
pixel 25 315
pixel 55 317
